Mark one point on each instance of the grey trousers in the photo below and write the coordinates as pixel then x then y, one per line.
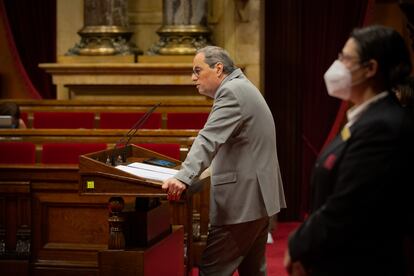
pixel 238 246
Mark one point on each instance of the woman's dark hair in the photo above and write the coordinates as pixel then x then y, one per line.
pixel 388 48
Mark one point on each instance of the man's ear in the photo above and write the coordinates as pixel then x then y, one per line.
pixel 219 68
pixel 372 68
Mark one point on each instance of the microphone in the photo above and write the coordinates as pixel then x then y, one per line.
pixel 131 132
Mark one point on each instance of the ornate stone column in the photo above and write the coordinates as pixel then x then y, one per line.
pixel 106 29
pixel 184 28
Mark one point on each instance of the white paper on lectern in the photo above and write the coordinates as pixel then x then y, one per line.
pixel 147 171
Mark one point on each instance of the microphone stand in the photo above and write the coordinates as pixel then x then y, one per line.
pixel 131 132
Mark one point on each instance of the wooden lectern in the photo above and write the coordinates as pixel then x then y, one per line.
pixel 143 230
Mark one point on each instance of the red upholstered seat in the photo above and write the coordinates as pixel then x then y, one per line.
pixel 17 153
pixel 68 153
pixel 171 150
pixel 47 119
pixel 114 120
pixel 186 120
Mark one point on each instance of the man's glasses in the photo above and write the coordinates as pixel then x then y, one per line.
pixel 197 71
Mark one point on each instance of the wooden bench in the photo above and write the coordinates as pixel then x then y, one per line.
pixel 184 138
pixel 55 186
pixel 168 105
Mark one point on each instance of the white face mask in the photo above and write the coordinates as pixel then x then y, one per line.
pixel 338 81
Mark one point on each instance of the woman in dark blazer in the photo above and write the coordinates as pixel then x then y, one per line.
pixel 361 204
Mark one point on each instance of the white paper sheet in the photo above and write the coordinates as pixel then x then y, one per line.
pixel 148 171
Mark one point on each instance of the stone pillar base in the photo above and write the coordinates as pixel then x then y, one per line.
pixel 104 41
pixel 180 40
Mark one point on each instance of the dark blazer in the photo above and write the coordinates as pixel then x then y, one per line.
pixel 360 201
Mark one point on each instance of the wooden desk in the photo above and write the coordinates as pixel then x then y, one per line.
pixel 163 258
pixel 67 230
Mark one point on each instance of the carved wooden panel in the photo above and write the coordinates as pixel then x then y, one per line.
pixel 15 222
pixel 67 229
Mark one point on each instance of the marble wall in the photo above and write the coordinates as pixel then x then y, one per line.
pixel 235 24
pixel 69 22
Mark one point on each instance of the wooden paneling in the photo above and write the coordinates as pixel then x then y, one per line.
pixel 14 267
pixel 14 214
pixel 67 229
pixel 164 258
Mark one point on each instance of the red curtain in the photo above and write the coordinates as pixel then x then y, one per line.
pixel 282 89
pixel 33 34
pixel 302 39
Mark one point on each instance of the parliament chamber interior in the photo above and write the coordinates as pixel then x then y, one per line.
pixel 99 82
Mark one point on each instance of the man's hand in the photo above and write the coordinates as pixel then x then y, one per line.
pixel 174 188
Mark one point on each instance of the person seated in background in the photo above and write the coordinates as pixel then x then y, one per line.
pixel 13 110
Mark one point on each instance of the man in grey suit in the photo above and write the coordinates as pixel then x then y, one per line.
pixel 238 143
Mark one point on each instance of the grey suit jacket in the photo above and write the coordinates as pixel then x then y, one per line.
pixel 239 142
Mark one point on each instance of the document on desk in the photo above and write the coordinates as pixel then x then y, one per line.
pixel 147 171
